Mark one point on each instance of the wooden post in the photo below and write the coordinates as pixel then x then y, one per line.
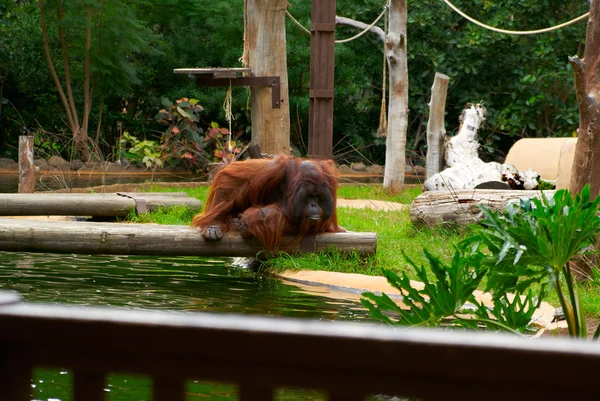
pixel 436 132
pixel 322 44
pixel 26 166
pixel 266 51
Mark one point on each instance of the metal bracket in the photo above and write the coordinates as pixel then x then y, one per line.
pixel 141 207
pixel 273 82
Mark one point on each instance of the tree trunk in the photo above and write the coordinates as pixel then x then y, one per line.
pixel 395 47
pixel 266 52
pixel 436 132
pixel 586 161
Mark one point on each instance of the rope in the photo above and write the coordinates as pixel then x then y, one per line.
pixel 342 40
pixel 383 125
pixel 296 22
pixel 228 114
pixel 366 29
pixel 491 28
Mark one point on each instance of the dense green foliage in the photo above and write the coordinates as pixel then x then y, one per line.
pixel 524 81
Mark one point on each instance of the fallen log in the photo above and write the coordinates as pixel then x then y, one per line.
pixel 157 239
pixel 115 204
pixel 462 206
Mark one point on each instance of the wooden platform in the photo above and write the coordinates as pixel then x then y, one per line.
pixel 156 239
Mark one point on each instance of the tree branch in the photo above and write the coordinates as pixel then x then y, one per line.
pixel 579 73
pixel 86 81
pixel 55 78
pixel 63 43
pixel 360 26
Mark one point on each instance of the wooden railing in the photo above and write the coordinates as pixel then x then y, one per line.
pixel 349 361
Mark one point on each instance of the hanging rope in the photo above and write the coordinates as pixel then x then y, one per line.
pixel 491 28
pixel 290 16
pixel 244 59
pixel 228 114
pixel 382 129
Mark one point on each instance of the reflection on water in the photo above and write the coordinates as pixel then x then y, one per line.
pixel 165 283
pixel 173 283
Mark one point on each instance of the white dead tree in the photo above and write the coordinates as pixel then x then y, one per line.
pixel 466 170
pixel 395 50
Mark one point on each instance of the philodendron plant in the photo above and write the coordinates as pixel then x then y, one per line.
pixel 529 245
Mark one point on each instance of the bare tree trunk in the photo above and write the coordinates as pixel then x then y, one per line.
pixel 395 47
pixel 266 46
pixel 80 138
pixel 397 124
pixel 53 73
pixel 586 161
pixel 436 132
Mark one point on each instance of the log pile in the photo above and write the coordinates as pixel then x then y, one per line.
pixel 462 206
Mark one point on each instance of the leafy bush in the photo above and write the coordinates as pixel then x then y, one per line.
pixel 182 142
pixel 224 147
pixel 144 152
pixel 532 243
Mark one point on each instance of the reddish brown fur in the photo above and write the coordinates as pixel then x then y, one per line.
pixel 246 190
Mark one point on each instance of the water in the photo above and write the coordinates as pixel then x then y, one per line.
pixel 162 283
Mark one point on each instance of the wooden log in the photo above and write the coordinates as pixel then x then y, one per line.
pixel 156 239
pixel 462 206
pixel 436 131
pixel 89 204
pixel 26 166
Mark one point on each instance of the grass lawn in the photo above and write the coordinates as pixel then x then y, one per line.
pixel 396 236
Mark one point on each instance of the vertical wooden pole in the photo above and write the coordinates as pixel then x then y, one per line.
pixel 266 52
pixel 436 132
pixel 26 166
pixel 322 44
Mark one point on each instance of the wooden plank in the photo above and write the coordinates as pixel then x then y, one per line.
pixel 251 392
pixel 216 72
pixel 462 206
pixel 86 204
pixel 88 386
pixel 168 389
pixel 322 44
pixel 282 352
pixel 156 239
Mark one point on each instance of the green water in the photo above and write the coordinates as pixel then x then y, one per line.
pixel 163 283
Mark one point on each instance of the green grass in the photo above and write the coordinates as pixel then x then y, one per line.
pixel 377 192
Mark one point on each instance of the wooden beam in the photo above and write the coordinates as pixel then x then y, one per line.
pixel 114 204
pixel 156 239
pixel 322 44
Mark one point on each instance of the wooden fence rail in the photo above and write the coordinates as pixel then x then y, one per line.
pixel 349 361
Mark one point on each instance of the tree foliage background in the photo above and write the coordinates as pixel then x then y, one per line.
pixel 525 82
